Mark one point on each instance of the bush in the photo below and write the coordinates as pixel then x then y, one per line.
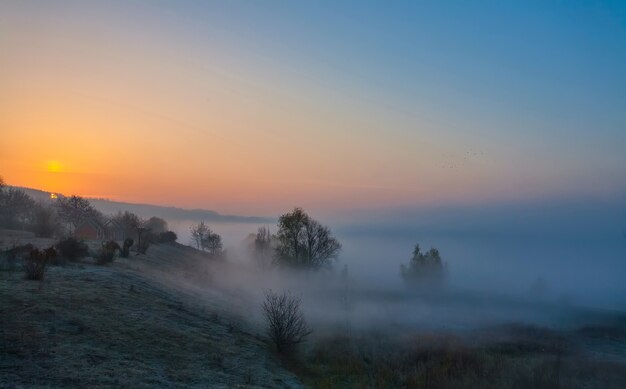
pixel 107 252
pixel 125 251
pixel 11 257
pixel 72 249
pixel 150 237
pixel 35 264
pixel 167 237
pixel 285 321
pixel 17 252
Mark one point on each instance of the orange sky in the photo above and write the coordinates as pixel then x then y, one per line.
pixel 100 129
pixel 143 104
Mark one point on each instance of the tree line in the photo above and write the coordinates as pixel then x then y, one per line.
pixel 61 216
pixel 301 242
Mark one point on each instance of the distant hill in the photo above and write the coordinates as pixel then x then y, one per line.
pixel 147 210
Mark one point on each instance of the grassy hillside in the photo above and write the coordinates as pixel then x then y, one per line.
pixel 89 326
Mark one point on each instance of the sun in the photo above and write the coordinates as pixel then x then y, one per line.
pixel 53 166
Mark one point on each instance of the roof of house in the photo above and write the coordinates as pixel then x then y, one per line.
pixel 95 223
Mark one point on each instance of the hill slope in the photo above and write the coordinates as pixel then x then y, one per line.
pixel 93 326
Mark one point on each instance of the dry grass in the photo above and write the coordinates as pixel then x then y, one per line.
pixel 541 360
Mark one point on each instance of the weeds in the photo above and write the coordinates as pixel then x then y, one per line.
pixel 448 362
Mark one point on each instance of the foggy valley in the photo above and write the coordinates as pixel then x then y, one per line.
pixel 354 194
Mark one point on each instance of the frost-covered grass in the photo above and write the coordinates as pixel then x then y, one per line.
pixel 93 326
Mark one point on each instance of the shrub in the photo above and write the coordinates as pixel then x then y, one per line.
pixel 35 264
pixel 72 249
pixel 17 252
pixel 11 257
pixel 286 326
pixel 156 225
pixel 125 251
pixel 107 252
pixel 167 237
pixel 150 237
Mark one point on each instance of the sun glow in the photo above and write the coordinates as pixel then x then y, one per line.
pixel 53 166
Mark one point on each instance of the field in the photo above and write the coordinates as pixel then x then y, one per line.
pixel 174 319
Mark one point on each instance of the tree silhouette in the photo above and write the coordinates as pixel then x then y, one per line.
pixel 16 208
pixel 199 233
pixel 205 239
pixel 304 242
pixel 156 225
pixel 74 209
pixel 263 246
pixel 424 270
pixel 128 222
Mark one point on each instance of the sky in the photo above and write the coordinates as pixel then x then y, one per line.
pixel 253 107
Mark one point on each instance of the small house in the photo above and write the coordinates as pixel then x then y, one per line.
pixel 90 229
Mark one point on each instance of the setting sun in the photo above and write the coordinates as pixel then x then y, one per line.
pixel 53 166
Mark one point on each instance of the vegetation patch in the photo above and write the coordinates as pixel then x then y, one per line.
pixel 72 249
pixel 447 361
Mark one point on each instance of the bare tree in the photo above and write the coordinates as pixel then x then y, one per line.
pixel 263 246
pixel 205 239
pixel 16 208
pixel 128 222
pixel 304 242
pixel 75 209
pixel 212 243
pixel 199 233
pixel 286 326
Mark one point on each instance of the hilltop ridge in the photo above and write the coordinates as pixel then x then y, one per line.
pixel 148 210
